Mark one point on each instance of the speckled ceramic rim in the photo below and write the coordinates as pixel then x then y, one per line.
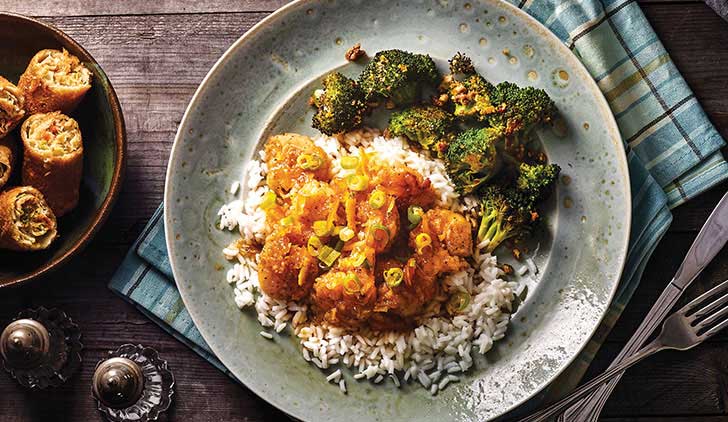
pixel 614 134
pixel 120 151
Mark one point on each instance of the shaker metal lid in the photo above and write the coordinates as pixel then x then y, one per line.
pixel 118 383
pixel 24 343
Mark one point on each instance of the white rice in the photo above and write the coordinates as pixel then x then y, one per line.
pixel 434 351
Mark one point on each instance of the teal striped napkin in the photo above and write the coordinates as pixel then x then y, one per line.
pixel 673 152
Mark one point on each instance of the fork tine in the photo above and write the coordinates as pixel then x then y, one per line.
pixel 713 330
pixel 716 316
pixel 707 310
pixel 700 299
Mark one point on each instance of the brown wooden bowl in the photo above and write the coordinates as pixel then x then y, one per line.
pixel 104 136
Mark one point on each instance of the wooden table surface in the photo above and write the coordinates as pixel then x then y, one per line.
pixel 157 52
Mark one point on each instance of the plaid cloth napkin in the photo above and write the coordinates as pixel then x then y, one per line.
pixel 720 7
pixel 673 153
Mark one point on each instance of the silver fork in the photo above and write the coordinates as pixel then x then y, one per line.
pixel 683 330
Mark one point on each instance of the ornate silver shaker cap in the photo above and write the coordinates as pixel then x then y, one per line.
pixel 41 348
pixel 133 384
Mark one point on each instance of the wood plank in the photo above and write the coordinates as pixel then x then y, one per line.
pixel 670 383
pixel 136 7
pixel 142 7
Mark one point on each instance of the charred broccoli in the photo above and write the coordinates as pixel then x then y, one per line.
pixel 340 105
pixel 471 96
pixel 506 214
pixel 520 109
pixel 432 127
pixel 469 92
pixel 460 63
pixel 398 76
pixel 536 182
pixel 473 158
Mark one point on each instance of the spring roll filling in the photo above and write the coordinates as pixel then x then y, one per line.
pixel 58 135
pixel 32 218
pixel 10 108
pixel 63 69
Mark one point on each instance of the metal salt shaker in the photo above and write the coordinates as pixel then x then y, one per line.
pixel 41 348
pixel 133 384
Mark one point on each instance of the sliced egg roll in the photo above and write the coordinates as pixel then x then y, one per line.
pixel 53 159
pixel 27 222
pixel 12 105
pixel 54 80
pixel 8 157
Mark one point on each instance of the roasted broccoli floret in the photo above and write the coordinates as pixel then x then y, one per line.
pixel 536 182
pixel 432 127
pixel 471 96
pixel 340 105
pixel 460 63
pixel 520 109
pixel 398 76
pixel 506 214
pixel 473 158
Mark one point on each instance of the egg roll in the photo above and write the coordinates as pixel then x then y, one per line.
pixel 26 221
pixel 54 80
pixel 8 157
pixel 53 159
pixel 12 104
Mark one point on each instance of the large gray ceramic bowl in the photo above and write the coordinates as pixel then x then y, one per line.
pixel 260 86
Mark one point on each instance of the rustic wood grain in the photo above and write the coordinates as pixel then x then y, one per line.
pixel 136 7
pixel 143 7
pixel 156 53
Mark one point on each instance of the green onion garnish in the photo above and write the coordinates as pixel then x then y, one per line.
pixel 393 276
pixel 314 246
pixel 322 228
pixel 346 234
pixel 286 221
pixel 309 161
pixel 359 260
pixel 422 241
pixel 269 199
pixel 414 215
pixel 377 228
pixel 328 255
pixel 458 302
pixel 357 182
pixel 377 199
pixel 349 162
pixel 352 285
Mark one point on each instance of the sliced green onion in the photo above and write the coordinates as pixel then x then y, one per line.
pixel 422 241
pixel 309 161
pixel 346 234
pixel 322 228
pixel 286 221
pixel 314 246
pixel 359 260
pixel 269 199
pixel 357 182
pixel 379 227
pixel 328 255
pixel 414 215
pixel 352 285
pixel 349 162
pixel 377 199
pixel 458 302
pixel 393 276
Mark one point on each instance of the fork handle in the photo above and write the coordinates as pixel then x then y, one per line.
pixel 587 388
